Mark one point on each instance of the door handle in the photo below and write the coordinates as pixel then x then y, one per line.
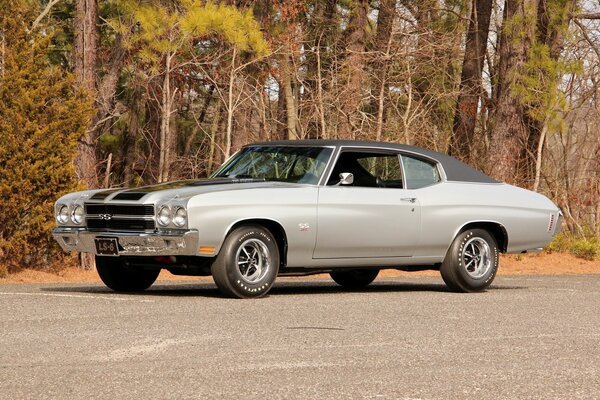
pixel 409 199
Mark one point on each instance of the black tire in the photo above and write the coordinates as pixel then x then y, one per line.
pixel 471 262
pixel 354 278
pixel 121 278
pixel 247 264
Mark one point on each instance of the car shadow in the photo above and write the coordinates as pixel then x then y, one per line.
pixel 208 289
pixel 180 289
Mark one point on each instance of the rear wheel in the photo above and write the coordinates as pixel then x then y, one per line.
pixel 247 264
pixel 355 278
pixel 471 262
pixel 122 278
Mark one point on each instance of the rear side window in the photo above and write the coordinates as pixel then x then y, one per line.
pixel 419 173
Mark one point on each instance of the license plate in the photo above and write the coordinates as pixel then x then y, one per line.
pixel 107 247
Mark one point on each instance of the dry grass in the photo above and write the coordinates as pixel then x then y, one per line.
pixel 535 264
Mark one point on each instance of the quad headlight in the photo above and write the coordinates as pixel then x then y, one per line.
pixel 77 215
pixel 163 217
pixel 176 215
pixel 62 216
pixel 180 217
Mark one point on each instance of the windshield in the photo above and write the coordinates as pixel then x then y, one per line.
pixel 277 163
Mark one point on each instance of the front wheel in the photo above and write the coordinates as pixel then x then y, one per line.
pixel 247 264
pixel 121 278
pixel 471 262
pixel 354 278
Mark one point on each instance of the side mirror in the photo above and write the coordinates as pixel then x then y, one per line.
pixel 346 178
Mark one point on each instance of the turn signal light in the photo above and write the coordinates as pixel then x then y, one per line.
pixel 206 250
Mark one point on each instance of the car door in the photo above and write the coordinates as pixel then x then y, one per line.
pixel 374 217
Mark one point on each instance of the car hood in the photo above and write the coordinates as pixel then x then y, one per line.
pixel 181 190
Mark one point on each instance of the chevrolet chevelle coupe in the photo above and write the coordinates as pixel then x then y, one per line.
pixel 345 208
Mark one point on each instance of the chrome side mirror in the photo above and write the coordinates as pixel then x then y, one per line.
pixel 346 178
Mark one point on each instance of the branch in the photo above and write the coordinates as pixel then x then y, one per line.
pixel 45 12
pixel 592 44
pixel 588 15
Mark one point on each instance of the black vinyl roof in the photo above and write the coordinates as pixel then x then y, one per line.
pixel 455 170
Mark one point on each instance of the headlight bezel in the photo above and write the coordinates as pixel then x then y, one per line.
pixel 77 214
pixel 63 215
pixel 181 213
pixel 164 219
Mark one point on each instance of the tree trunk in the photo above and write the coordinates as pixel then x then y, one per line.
pixel 108 171
pixel 107 87
pixel 353 69
pixel 2 50
pixel 265 128
pixel 214 132
pixel 320 104
pixel 381 48
pixel 230 106
pixel 85 54
pixel 290 99
pixel 427 15
pixel 538 160
pixel 86 42
pixel 465 117
pixel 510 131
pixel 128 153
pixel 165 123
pixel 280 125
pixel 320 33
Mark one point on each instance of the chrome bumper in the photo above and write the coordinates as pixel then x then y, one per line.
pixel 131 243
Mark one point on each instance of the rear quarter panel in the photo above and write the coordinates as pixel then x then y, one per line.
pixel 449 206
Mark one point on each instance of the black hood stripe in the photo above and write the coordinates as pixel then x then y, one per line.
pixel 103 194
pixel 138 193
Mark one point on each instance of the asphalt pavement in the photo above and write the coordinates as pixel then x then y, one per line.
pixel 402 338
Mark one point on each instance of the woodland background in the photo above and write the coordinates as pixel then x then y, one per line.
pixel 110 93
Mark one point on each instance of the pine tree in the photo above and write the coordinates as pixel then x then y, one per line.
pixel 41 118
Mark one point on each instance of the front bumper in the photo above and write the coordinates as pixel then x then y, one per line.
pixel 176 243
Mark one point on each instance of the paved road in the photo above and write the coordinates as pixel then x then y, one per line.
pixel 527 337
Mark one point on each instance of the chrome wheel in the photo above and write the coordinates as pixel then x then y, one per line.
pixel 476 257
pixel 253 260
pixel 471 262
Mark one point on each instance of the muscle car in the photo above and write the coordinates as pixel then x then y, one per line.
pixel 346 208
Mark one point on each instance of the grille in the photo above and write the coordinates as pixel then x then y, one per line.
pixel 120 209
pixel 120 217
pixel 120 224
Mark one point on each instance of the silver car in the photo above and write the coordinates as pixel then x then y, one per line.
pixel 345 208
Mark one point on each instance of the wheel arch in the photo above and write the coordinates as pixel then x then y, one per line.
pixel 272 226
pixel 496 229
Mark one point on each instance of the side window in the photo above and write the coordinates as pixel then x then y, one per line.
pixel 419 173
pixel 385 168
pixel 369 169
